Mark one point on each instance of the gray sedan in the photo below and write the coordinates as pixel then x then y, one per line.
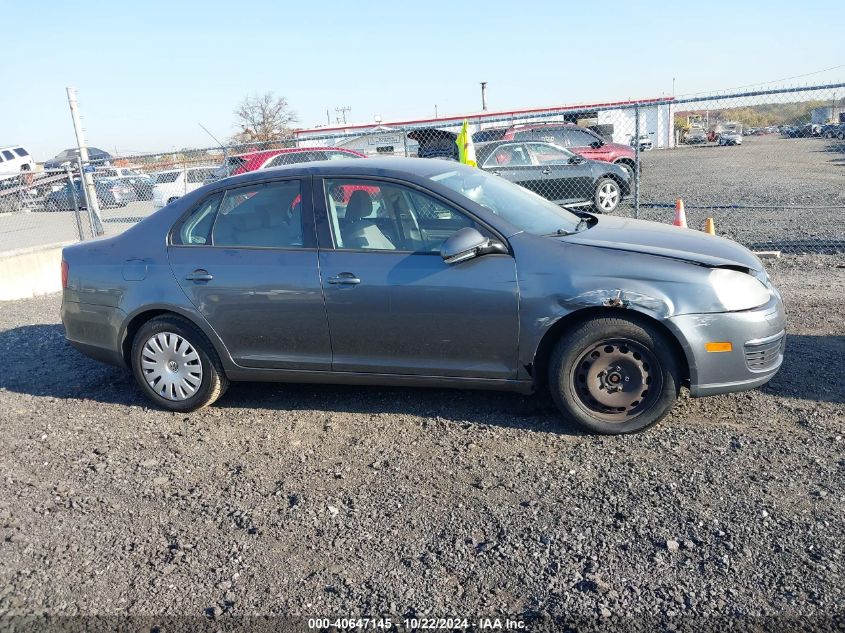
pixel 421 272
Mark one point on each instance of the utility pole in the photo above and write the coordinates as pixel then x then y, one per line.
pixel 328 118
pixel 435 110
pixel 87 178
pixel 342 111
pixel 673 86
pixel 483 95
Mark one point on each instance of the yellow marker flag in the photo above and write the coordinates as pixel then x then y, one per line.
pixel 466 150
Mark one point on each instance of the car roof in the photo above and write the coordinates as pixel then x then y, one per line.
pixel 385 167
pixel 260 157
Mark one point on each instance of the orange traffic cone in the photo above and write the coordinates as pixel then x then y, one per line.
pixel 680 214
pixel 709 227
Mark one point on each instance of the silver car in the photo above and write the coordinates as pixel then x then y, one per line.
pixel 397 271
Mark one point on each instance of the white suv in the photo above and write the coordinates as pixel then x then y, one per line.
pixel 15 159
pixel 175 183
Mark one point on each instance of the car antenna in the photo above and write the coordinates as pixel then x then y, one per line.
pixel 223 147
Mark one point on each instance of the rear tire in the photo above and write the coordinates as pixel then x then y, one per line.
pixel 607 195
pixel 176 366
pixel 614 375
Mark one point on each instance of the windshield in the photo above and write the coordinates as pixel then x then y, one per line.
pixel 522 208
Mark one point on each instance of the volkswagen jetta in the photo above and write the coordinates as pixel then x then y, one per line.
pixel 421 272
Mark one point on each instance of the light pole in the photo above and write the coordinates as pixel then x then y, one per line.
pixel 673 86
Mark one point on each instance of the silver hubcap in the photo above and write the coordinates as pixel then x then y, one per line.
pixel 171 366
pixel 608 196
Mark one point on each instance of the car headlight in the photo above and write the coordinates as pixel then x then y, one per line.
pixel 738 291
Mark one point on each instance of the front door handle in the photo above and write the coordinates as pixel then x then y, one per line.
pixel 495 173
pixel 344 279
pixel 546 171
pixel 199 274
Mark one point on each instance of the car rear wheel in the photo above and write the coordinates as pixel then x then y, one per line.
pixel 607 195
pixel 176 365
pixel 614 375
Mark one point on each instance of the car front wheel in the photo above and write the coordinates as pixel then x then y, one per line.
pixel 176 365
pixel 607 195
pixel 614 375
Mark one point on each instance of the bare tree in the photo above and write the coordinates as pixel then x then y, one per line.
pixel 263 117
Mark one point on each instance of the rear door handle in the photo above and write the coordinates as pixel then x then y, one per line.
pixel 199 275
pixel 344 279
pixel 546 171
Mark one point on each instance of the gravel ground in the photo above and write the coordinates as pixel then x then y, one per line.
pixel 330 501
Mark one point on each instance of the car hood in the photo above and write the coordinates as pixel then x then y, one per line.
pixel 665 240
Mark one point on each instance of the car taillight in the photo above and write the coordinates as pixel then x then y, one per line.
pixel 65 269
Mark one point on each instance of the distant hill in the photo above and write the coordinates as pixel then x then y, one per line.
pixel 796 113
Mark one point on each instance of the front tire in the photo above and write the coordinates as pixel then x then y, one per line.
pixel 607 195
pixel 176 366
pixel 614 375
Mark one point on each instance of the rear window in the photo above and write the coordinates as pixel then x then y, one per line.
pixel 200 175
pixel 20 151
pixel 340 155
pixel 168 176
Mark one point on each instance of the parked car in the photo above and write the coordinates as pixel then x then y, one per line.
pixel 695 136
pixel 444 276
pixel 242 163
pixel 833 130
pixel 730 138
pixel 645 142
pixel 556 173
pixel 577 139
pixel 140 182
pixel 71 157
pixel 111 192
pixel 172 184
pixel 13 160
pixel 435 143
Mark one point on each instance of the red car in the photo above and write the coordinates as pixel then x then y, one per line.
pixel 575 138
pixel 242 163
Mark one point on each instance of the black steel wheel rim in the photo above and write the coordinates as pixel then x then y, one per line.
pixel 617 379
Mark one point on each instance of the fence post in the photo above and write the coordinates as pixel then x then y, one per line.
pixel 636 160
pixel 93 217
pixel 405 141
pixel 75 204
pixel 87 179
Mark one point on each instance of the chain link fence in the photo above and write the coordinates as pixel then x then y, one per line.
pixel 767 166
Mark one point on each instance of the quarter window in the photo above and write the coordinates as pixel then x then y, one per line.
pixel 266 215
pixel 197 227
pixel 20 151
pixel 379 216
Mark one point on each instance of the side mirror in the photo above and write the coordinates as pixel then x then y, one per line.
pixel 576 160
pixel 468 243
pixel 596 144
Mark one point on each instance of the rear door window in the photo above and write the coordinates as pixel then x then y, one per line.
pixel 8 155
pixel 266 215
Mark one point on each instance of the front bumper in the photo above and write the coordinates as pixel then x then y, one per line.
pixel 757 337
